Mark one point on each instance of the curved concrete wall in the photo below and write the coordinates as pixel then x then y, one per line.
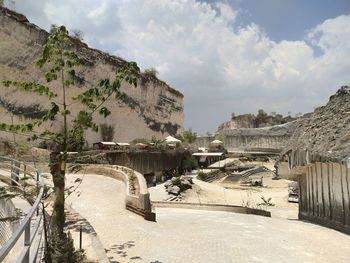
pixel 140 200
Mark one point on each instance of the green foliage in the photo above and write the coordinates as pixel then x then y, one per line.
pixel 107 132
pixel 158 143
pixel 266 202
pixel 76 139
pixel 188 136
pixel 77 34
pixel 261 113
pixel 140 140
pixel 202 176
pixel 262 119
pixel 189 162
pixel 132 182
pixel 9 192
pixel 150 72
pixel 30 86
pixel 61 249
pixel 219 137
pixel 171 173
pixel 60 61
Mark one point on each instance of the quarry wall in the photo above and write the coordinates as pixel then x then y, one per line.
pixel 274 137
pixel 152 109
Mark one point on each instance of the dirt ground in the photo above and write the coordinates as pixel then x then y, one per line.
pixel 235 194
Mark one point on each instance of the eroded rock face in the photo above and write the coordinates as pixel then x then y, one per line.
pixel 153 108
pixel 264 131
pixel 274 137
pixel 326 132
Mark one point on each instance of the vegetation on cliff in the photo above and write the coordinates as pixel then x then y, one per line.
pixel 261 119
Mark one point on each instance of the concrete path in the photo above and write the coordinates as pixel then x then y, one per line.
pixel 181 235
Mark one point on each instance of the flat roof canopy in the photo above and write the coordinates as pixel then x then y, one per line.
pixel 105 143
pixel 123 144
pixel 207 154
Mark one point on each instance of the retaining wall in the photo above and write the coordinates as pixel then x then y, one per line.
pixel 213 207
pixel 147 162
pixel 324 191
pixel 139 201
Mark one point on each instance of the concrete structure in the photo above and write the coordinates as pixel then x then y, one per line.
pixel 104 145
pixel 318 153
pixel 150 164
pixel 208 158
pixel 151 109
pixel 136 194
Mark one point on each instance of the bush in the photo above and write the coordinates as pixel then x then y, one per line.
pixel 189 162
pixel 107 132
pixel 61 249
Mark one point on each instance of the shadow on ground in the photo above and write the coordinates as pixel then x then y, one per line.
pixel 74 222
pixel 122 251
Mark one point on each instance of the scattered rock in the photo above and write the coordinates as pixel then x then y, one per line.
pixel 176 185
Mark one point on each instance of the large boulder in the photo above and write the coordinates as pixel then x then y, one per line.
pixel 175 190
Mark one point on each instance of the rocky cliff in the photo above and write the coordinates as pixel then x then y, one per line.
pixel 326 132
pixel 260 120
pixel 152 109
pixel 261 131
pixel 275 137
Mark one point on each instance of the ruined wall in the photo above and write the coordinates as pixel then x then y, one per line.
pixel 325 195
pixel 152 109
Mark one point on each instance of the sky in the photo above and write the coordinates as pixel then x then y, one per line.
pixel 224 56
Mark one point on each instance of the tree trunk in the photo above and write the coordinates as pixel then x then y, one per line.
pixel 58 177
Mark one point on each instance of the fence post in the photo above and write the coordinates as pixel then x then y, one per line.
pixel 25 176
pixel 81 238
pixel 27 241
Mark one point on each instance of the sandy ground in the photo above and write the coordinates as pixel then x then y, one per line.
pixel 181 235
pixel 234 194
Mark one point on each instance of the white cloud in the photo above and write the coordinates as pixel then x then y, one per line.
pixel 199 49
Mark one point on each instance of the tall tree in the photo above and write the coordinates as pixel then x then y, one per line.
pixel 189 136
pixel 60 61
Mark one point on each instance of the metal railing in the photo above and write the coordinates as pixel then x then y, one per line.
pixel 32 226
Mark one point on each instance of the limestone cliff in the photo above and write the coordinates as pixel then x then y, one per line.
pixel 260 120
pixel 261 131
pixel 326 132
pixel 153 108
pixel 275 137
